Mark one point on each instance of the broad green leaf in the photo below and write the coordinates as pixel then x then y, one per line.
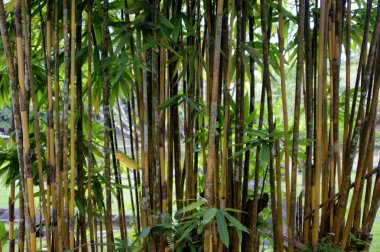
pixel 222 229
pixel 209 215
pixel 193 206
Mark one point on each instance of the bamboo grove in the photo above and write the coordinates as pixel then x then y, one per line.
pixel 210 125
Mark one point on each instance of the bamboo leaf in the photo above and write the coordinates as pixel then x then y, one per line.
pixel 265 155
pixel 165 21
pixel 222 229
pixel 209 215
pixel 190 29
pixel 79 204
pixel 15 232
pixel 177 28
pixel 191 103
pixel 235 222
pixel 174 100
pixel 136 7
pixel 192 206
pixel 129 162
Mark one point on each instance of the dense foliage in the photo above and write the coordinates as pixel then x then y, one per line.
pixel 155 125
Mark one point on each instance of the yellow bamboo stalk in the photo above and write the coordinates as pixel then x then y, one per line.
pixel 318 143
pixel 35 121
pixel 72 126
pixel 25 129
pixel 284 105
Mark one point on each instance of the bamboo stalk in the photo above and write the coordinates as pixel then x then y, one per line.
pixel 367 226
pixel 50 132
pixel 318 144
pixel 211 158
pixel 35 122
pixel 72 125
pixel 309 96
pixel 367 200
pixel 82 242
pixel 348 80
pixel 299 77
pixel 247 159
pixel 21 243
pixel 135 174
pixel 367 126
pixel 11 209
pixel 107 120
pixel 125 151
pixel 161 130
pixel 31 231
pixel 57 217
pixel 278 236
pixel 284 105
pixel 226 122
pixel 119 192
pixel 93 233
pixel 16 118
pixel 65 205
pixel 355 135
pixel 239 113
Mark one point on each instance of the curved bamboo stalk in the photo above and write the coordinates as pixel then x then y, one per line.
pixel 355 135
pixel 367 125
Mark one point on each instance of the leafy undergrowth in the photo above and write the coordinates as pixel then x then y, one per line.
pixel 185 230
